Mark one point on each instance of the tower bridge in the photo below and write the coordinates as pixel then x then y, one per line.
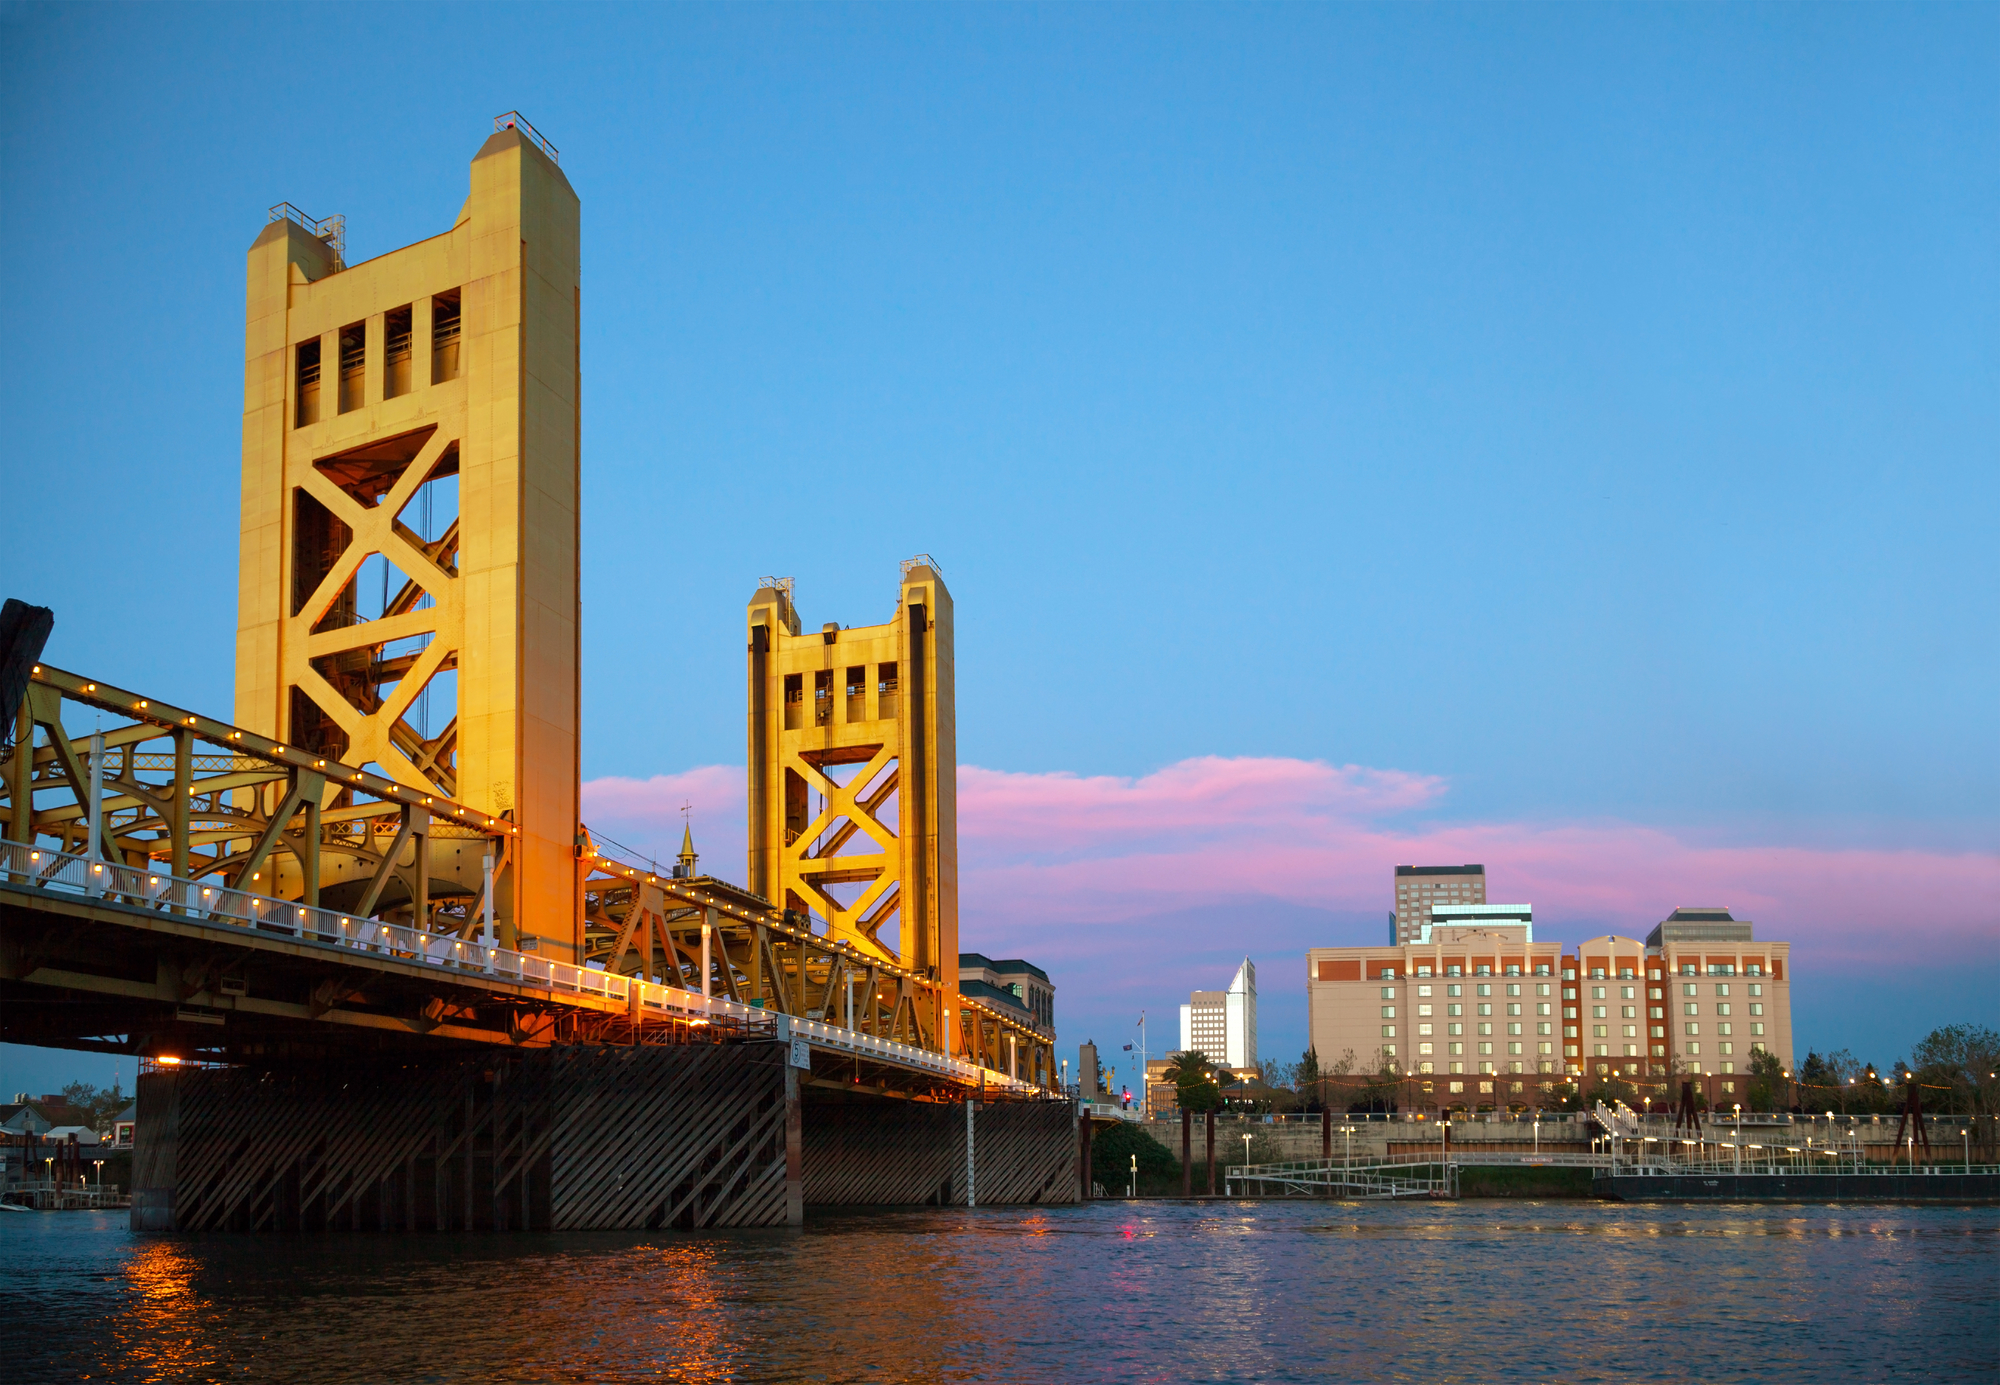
pixel 379 971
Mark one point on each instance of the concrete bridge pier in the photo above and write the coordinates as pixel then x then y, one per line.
pixel 568 1138
pixel 865 1151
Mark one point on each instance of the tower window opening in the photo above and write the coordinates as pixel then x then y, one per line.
pixel 795 697
pixel 308 383
pixel 822 697
pixel 885 690
pixel 353 364
pixel 444 337
pixel 857 693
pixel 396 352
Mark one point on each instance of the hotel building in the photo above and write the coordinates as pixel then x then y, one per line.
pixel 1473 994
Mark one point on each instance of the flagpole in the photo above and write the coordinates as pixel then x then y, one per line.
pixel 1145 1091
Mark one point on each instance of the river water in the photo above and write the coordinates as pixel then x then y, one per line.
pixel 1146 1291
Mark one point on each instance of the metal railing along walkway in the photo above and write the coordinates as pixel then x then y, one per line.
pixel 153 891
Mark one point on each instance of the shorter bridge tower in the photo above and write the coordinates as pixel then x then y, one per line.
pixel 853 766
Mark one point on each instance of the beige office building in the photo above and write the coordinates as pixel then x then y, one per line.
pixel 1419 888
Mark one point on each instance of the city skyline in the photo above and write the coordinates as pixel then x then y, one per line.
pixel 1682 361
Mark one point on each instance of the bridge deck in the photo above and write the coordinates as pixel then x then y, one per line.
pixel 103 956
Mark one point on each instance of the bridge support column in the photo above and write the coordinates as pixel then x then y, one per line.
pixel 1187 1151
pixel 795 1178
pixel 1084 1193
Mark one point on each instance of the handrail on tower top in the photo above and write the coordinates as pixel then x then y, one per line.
pixel 514 120
pixel 331 229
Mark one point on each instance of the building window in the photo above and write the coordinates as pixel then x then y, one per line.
pixel 1691 1029
pixel 444 337
pixel 1388 1012
pixel 308 383
pixel 1423 1029
pixel 396 352
pixel 1597 1031
pixel 353 365
pixel 1388 1031
pixel 1388 992
pixel 1423 1049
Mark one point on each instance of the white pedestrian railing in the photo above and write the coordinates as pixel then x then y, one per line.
pixel 1624 1124
pixel 61 872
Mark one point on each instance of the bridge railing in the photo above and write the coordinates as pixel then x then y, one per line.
pixel 137 887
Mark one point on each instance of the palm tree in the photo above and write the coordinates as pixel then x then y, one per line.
pixel 1194 1083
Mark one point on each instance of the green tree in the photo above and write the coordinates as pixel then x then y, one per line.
pixel 1194 1082
pixel 101 1105
pixel 1767 1082
pixel 1962 1059
pixel 1381 1089
pixel 1111 1155
pixel 1309 1086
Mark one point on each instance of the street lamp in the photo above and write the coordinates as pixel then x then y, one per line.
pixel 1246 1151
pixel 1736 1149
pixel 1132 1189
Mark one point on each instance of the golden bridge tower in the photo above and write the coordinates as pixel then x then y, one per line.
pixel 409 579
pixel 853 777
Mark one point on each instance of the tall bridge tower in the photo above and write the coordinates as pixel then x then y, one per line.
pixel 853 753
pixel 409 577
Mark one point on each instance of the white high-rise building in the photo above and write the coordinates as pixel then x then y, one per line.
pixel 1223 1024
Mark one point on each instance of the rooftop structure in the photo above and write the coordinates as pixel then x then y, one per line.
pixel 1702 924
pixel 1488 916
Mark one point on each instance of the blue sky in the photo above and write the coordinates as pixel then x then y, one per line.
pixel 1592 408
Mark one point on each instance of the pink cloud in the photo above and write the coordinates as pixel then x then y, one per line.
pixel 1053 848
pixel 644 815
